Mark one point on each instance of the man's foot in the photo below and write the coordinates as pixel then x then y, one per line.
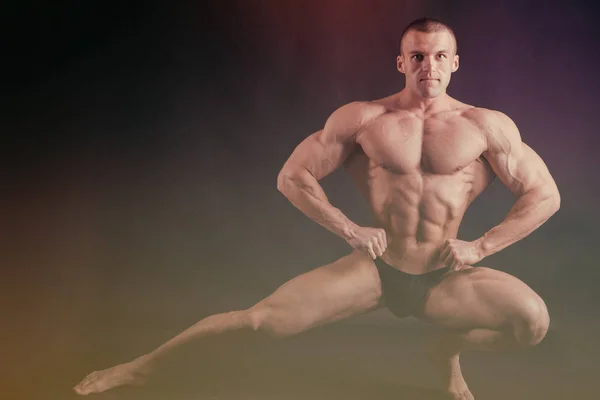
pixel 449 366
pixel 133 373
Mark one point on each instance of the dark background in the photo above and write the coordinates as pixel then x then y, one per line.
pixel 141 142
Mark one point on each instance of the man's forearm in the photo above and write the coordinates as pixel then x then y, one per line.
pixel 530 211
pixel 308 197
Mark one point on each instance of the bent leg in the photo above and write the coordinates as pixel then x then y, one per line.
pixel 483 309
pixel 476 302
pixel 347 287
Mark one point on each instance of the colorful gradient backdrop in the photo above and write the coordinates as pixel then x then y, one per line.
pixel 141 144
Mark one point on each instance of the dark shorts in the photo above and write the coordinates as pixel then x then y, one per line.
pixel 405 294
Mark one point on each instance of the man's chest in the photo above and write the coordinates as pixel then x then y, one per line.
pixel 430 145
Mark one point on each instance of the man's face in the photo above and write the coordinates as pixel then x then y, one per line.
pixel 428 60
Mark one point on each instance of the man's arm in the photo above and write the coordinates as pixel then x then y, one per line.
pixel 318 156
pixel 525 175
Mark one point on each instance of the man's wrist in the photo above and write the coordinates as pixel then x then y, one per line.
pixel 348 231
pixel 483 248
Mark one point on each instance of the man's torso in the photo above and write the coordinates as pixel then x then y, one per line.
pixel 419 173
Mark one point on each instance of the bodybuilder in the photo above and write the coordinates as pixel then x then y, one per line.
pixel 420 158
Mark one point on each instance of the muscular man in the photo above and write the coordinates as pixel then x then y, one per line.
pixel 420 158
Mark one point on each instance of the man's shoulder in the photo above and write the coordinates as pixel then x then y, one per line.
pixel 362 108
pixel 487 119
pixel 498 129
pixel 352 116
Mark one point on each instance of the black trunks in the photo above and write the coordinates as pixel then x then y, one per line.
pixel 405 294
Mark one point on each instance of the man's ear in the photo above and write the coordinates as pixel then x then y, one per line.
pixel 400 64
pixel 455 63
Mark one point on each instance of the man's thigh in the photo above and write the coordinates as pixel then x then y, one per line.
pixel 347 287
pixel 481 298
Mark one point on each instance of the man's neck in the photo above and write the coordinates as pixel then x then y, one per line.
pixel 409 100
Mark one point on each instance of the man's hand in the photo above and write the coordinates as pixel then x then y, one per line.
pixel 372 241
pixel 457 253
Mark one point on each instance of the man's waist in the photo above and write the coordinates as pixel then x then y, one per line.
pixel 414 257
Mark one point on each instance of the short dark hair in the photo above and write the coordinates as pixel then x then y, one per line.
pixel 428 25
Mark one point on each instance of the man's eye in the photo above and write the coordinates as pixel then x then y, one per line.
pixel 441 55
pixel 418 57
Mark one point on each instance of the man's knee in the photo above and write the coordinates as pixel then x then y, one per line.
pixel 533 323
pixel 264 319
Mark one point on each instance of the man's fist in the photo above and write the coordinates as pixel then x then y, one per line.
pixel 372 241
pixel 457 253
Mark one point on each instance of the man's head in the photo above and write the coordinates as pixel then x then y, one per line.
pixel 428 56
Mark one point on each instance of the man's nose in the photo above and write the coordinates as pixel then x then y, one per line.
pixel 428 64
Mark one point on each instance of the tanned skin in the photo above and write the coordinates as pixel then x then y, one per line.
pixel 419 157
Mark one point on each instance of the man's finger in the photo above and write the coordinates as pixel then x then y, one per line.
pixel 370 251
pixel 383 237
pixel 378 245
pixel 445 253
pixel 461 267
pixel 455 265
pixel 378 249
pixel 449 260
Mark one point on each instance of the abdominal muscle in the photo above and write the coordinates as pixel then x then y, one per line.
pixel 419 212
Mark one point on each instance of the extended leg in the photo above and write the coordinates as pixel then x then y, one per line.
pixel 350 286
pixel 135 372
